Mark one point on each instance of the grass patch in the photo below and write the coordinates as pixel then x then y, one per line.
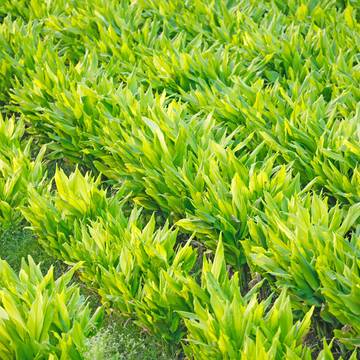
pixel 16 244
pixel 120 340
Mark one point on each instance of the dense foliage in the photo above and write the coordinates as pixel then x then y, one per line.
pixel 41 317
pixel 197 163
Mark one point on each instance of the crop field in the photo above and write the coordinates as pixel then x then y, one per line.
pixel 180 179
